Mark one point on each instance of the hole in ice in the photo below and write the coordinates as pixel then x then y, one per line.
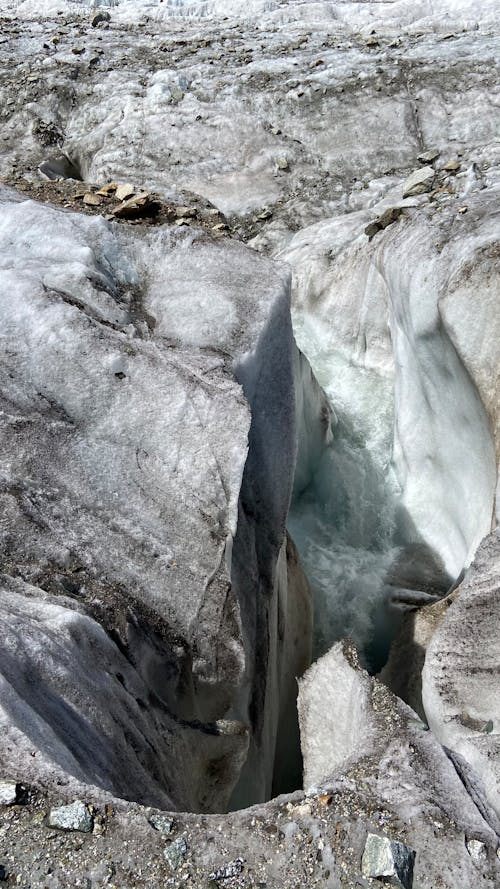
pixel 61 167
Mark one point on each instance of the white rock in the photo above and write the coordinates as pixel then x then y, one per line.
pixel 8 793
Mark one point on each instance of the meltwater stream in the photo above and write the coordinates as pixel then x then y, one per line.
pixel 344 522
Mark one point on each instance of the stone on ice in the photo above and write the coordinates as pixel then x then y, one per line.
pixel 389 861
pixel 419 182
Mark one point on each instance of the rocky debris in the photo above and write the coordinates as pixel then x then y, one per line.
pixel 176 852
pixel 452 166
pixel 227 871
pixel 75 816
pixel 386 218
pixel 388 860
pixel 283 165
pixel 162 823
pixel 419 182
pixel 8 793
pixel 186 212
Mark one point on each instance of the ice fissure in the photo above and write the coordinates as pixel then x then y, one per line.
pixel 398 502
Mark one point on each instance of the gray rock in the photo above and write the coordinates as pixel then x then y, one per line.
pixel 388 860
pixel 227 871
pixel 419 182
pixel 176 852
pixel 8 793
pixel 162 823
pixel 100 17
pixel 427 157
pixel 75 816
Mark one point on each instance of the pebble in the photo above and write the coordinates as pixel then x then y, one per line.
pixel 228 871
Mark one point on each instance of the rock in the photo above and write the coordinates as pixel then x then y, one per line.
pixel 388 860
pixel 8 793
pixel 92 199
pixel 419 182
pixel 186 212
pixel 78 50
pixel 227 871
pixel 162 823
pixel 75 816
pixel 122 192
pixel 140 205
pixel 108 190
pixel 427 157
pixel 477 850
pixel 452 166
pixel 386 218
pixel 100 17
pixel 283 165
pixel 176 852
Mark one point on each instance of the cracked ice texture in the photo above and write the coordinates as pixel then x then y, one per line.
pixel 128 449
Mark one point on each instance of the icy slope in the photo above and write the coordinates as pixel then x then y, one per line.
pixel 148 450
pixel 402 335
pixel 461 673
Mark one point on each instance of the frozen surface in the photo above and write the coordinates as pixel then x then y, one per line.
pixel 356 733
pixel 461 675
pixel 157 408
pixel 134 431
pixel 391 339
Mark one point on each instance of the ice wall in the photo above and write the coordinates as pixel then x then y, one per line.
pixel 399 501
pixel 148 452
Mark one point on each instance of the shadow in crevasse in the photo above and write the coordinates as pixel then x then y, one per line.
pixel 363 557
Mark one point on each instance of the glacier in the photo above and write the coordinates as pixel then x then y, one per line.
pixel 238 431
